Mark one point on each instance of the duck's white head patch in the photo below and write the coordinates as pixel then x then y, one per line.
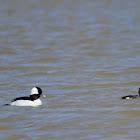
pixel 34 91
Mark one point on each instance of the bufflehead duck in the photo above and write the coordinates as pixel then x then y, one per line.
pixel 32 100
pixel 132 96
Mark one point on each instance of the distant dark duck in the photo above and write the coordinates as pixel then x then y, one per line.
pixel 32 100
pixel 132 96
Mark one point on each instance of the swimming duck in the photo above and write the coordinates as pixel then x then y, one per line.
pixel 32 100
pixel 132 96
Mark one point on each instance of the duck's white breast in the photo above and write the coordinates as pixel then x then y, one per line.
pixel 34 103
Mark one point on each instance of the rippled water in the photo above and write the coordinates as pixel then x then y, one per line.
pixel 84 55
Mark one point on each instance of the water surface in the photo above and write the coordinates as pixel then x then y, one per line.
pixel 84 55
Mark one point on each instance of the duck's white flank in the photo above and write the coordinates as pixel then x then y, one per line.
pixel 34 103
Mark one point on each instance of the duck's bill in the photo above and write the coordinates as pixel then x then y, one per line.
pixel 43 95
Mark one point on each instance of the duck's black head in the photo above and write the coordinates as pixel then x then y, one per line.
pixel 34 97
pixel 39 90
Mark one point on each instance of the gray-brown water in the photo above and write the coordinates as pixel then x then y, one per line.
pixel 84 55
